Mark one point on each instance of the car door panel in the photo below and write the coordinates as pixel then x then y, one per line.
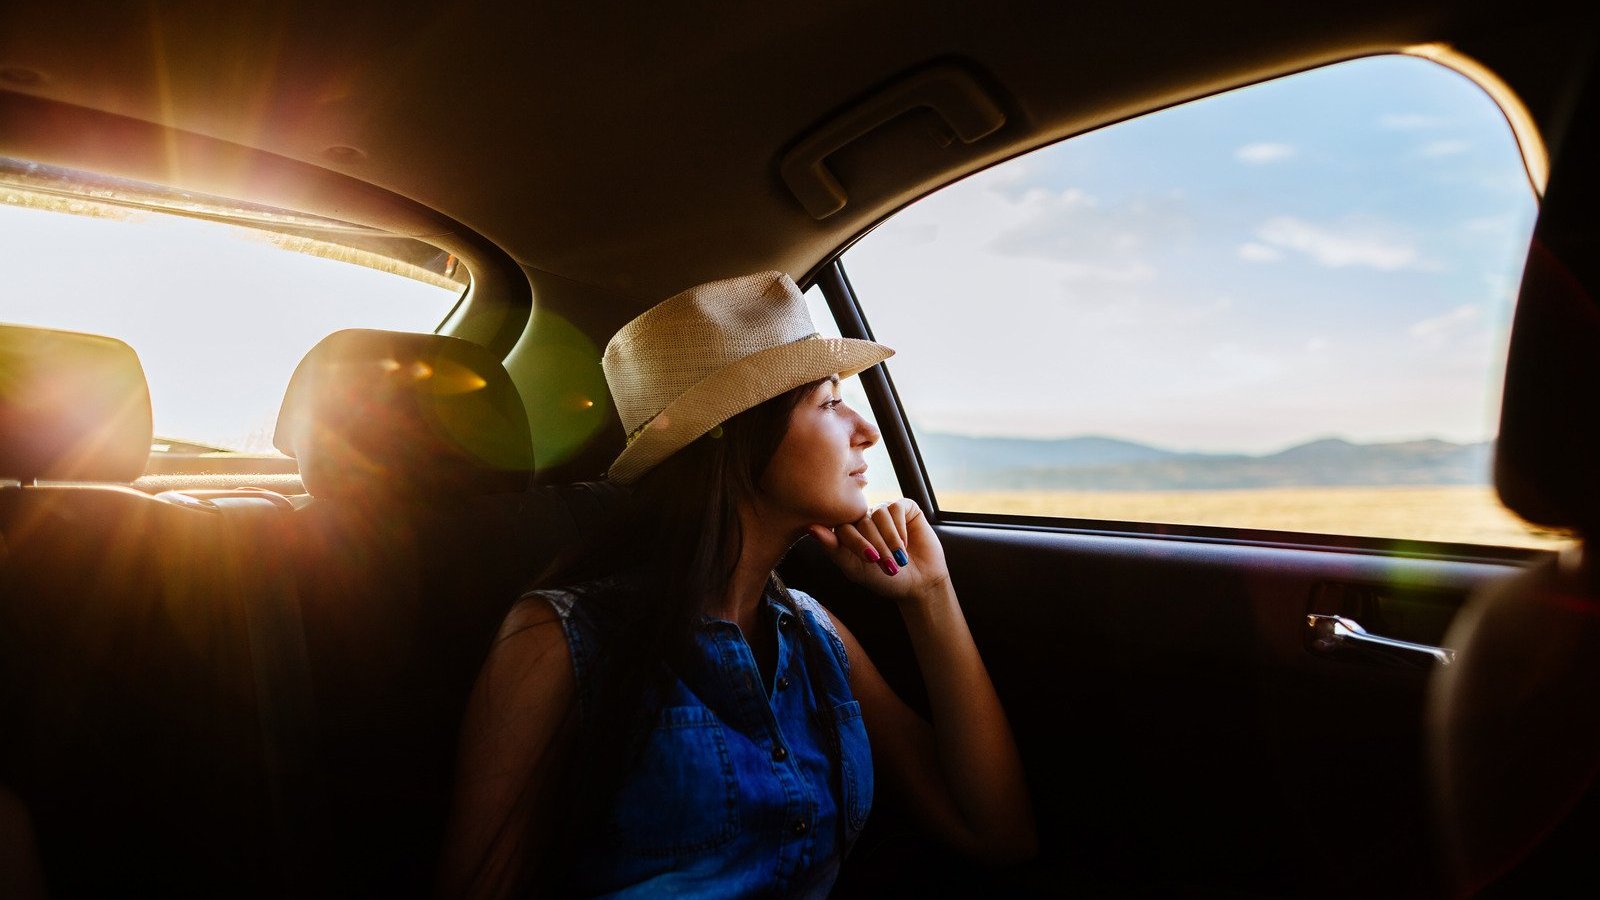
pixel 1179 730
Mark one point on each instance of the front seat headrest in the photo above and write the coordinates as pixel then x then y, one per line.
pixel 73 407
pixel 392 414
pixel 1546 459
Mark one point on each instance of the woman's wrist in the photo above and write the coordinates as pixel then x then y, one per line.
pixel 929 599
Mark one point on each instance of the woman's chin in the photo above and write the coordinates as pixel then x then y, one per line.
pixel 856 511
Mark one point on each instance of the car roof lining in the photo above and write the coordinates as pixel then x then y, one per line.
pixel 673 131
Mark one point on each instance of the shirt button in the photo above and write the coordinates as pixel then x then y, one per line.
pixel 779 753
pixel 800 826
pixel 783 682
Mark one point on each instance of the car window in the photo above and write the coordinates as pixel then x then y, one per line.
pixel 219 312
pixel 1285 307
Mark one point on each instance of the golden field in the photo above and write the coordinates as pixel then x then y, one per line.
pixel 1463 513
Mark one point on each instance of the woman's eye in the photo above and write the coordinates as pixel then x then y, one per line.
pixel 834 402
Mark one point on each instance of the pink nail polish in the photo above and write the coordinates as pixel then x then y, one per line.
pixel 870 554
pixel 888 566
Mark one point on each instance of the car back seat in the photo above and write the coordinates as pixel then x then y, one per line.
pixel 128 715
pixel 163 739
pixel 422 529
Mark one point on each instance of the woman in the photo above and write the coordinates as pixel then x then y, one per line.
pixel 676 720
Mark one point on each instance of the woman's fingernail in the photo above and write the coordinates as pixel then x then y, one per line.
pixel 870 554
pixel 889 568
pixel 900 557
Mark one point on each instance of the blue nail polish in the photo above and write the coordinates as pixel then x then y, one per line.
pixel 900 557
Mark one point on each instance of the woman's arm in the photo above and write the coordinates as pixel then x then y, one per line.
pixel 962 774
pixel 516 742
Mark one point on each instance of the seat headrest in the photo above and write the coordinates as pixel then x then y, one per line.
pixel 1547 459
pixel 73 407
pixel 390 414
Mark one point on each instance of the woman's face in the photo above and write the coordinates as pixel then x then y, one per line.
pixel 817 472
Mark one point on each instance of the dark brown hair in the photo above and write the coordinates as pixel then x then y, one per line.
pixel 645 581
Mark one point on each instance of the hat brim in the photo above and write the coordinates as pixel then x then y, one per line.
pixel 737 387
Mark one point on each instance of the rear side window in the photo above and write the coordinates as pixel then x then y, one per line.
pixel 1282 308
pixel 219 299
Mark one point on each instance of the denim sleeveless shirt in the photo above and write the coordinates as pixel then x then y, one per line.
pixel 743 789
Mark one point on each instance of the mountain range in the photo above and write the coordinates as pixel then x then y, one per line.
pixel 1094 463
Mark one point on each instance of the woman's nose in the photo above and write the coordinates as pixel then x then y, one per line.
pixel 867 434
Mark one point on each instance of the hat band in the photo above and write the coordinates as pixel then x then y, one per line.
pixel 635 433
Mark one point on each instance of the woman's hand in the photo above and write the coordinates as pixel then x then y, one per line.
pixel 866 551
pixel 962 777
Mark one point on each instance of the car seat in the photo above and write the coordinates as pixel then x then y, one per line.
pixel 1514 723
pixel 128 716
pixel 421 531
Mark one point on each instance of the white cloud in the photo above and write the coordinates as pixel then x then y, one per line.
pixel 1262 153
pixel 1410 121
pixel 1087 240
pixel 1254 252
pixel 1437 149
pixel 1357 244
pixel 1072 198
pixel 1442 326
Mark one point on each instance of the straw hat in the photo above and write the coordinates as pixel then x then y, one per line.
pixel 695 360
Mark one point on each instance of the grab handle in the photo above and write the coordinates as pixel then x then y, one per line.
pixel 949 91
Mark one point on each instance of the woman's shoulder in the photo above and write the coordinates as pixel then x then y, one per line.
pixel 599 597
pixel 806 604
pixel 820 622
pixel 532 630
pixel 530 663
pixel 579 619
pixel 590 613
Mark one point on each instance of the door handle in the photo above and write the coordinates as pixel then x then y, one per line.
pixel 1331 634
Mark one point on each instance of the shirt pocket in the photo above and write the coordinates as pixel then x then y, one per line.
pixel 855 766
pixel 682 796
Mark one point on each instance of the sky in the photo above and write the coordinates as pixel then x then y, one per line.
pixel 1331 254
pixel 1334 254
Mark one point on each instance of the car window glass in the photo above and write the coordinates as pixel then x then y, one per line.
pixel 219 313
pixel 1285 307
pixel 882 484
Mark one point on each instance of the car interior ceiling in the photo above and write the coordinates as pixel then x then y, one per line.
pixel 180 715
